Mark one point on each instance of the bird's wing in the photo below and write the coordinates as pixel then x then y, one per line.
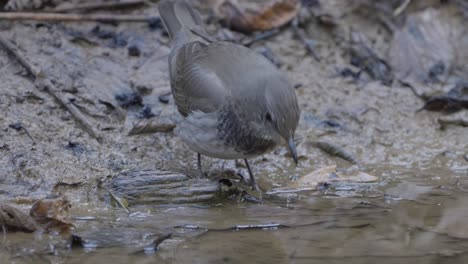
pixel 244 72
pixel 195 87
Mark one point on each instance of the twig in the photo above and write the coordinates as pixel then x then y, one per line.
pixel 300 33
pixel 116 199
pixel 154 246
pixel 42 82
pixel 261 36
pixel 18 126
pixel 455 121
pixel 387 22
pixel 401 8
pixel 202 35
pixel 100 5
pixel 74 17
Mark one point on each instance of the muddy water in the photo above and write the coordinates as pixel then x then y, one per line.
pixel 415 212
pixel 407 220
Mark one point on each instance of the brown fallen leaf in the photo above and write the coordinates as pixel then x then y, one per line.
pixel 148 126
pixel 357 176
pixel 52 213
pixel 453 101
pixel 258 15
pixel 13 219
pixel 316 177
pixel 335 150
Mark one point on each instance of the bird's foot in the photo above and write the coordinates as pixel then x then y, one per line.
pixel 252 181
pixel 253 184
pixel 201 174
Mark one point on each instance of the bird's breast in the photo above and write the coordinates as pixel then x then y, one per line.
pixel 222 135
pixel 242 135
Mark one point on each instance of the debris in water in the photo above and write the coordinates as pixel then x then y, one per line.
pixel 52 213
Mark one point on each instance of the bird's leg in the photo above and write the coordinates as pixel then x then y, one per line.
pixel 253 182
pixel 200 170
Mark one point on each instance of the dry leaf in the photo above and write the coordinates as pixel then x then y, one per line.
pixel 52 213
pixel 259 15
pixel 335 151
pixel 147 126
pixel 15 219
pixel 358 176
pixel 330 174
pixel 453 101
pixel 322 175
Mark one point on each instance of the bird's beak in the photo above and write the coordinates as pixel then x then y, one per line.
pixel 292 148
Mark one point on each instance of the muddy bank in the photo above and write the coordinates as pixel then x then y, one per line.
pixel 364 95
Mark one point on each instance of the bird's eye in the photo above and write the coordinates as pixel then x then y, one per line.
pixel 268 117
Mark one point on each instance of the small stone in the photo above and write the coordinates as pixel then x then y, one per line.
pixel 155 23
pixel 164 98
pixel 134 50
pixel 126 100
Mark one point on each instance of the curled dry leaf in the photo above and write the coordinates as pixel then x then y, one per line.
pixel 52 213
pixel 14 219
pixel 335 150
pixel 316 177
pixel 258 15
pixel 454 100
pixel 147 126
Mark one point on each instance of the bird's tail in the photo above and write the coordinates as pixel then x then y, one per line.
pixel 179 17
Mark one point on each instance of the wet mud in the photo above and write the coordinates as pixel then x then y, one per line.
pixel 352 116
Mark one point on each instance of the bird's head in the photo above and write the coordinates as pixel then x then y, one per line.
pixel 275 111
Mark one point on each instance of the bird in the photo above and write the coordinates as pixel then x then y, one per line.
pixel 234 102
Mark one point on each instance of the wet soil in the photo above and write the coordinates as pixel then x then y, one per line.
pixel 415 211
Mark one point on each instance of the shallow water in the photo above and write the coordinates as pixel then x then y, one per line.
pixel 411 219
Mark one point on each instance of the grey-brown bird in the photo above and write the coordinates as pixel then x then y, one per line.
pixel 236 104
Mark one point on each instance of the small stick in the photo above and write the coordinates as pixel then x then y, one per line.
pixel 117 200
pixel 261 36
pixel 100 5
pixel 154 246
pixel 74 17
pixel 42 82
pixel 19 126
pixel 302 36
pixel 458 121
pixel 401 8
